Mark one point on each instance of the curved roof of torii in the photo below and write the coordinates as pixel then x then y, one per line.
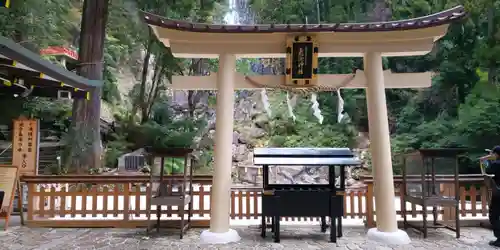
pixel 395 38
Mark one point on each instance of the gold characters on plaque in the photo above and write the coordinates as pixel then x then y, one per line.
pixel 301 58
pixel 20 136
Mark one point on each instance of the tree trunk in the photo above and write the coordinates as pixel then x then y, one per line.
pixel 144 78
pixel 195 70
pixel 148 100
pixel 85 142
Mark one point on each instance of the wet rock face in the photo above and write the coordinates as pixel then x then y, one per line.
pixel 249 174
pixel 250 123
pixel 249 132
pixel 298 175
pixel 309 175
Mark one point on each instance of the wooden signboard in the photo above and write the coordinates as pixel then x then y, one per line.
pixel 25 142
pixel 9 182
pixel 301 61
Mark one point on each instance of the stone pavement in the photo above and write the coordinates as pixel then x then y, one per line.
pixel 293 237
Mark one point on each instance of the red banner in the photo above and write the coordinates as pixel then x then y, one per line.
pixel 59 51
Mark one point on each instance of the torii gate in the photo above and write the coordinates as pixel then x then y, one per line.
pixel 371 41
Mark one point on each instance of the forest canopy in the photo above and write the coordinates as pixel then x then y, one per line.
pixel 460 109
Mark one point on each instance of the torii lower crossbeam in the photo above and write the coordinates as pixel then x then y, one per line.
pixel 392 80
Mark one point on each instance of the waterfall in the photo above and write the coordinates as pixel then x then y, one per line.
pixel 239 13
pixel 232 15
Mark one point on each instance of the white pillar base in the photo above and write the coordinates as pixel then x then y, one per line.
pixel 208 237
pixel 399 237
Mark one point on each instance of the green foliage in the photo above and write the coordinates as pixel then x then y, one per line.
pixel 460 109
pixel 479 123
pixel 110 91
pixel 165 130
pixel 38 25
pixel 305 131
pixel 174 165
pixel 114 149
pixel 244 65
pixel 46 110
pixel 159 127
pixel 56 22
pixel 178 134
pixel 206 159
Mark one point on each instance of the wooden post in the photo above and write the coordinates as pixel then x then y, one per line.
pixel 370 221
pixel 20 200
pixel 448 189
pixel 86 113
pixel 32 203
pixel 126 200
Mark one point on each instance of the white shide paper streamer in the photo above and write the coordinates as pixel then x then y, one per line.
pixel 315 108
pixel 291 103
pixel 265 102
pixel 340 107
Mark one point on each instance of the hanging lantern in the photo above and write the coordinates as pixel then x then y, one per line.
pixel 301 61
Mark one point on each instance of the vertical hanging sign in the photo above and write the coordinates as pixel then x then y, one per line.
pixel 25 146
pixel 301 61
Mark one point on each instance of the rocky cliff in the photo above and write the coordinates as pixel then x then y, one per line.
pixel 249 132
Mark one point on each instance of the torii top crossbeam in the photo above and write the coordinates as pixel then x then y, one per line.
pixel 396 38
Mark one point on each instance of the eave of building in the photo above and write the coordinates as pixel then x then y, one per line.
pixel 392 80
pixel 19 79
pixel 31 61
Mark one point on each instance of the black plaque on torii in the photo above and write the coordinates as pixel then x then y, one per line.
pixel 301 60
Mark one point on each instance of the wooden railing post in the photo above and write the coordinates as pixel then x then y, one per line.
pixel 370 221
pixel 448 189
pixel 31 201
pixel 126 201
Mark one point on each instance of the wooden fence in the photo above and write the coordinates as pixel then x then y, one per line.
pixel 120 201
pixel 472 192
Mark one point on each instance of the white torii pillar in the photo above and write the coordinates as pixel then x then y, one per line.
pixel 220 195
pixel 380 146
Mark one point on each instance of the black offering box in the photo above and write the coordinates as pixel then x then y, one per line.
pixel 304 200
